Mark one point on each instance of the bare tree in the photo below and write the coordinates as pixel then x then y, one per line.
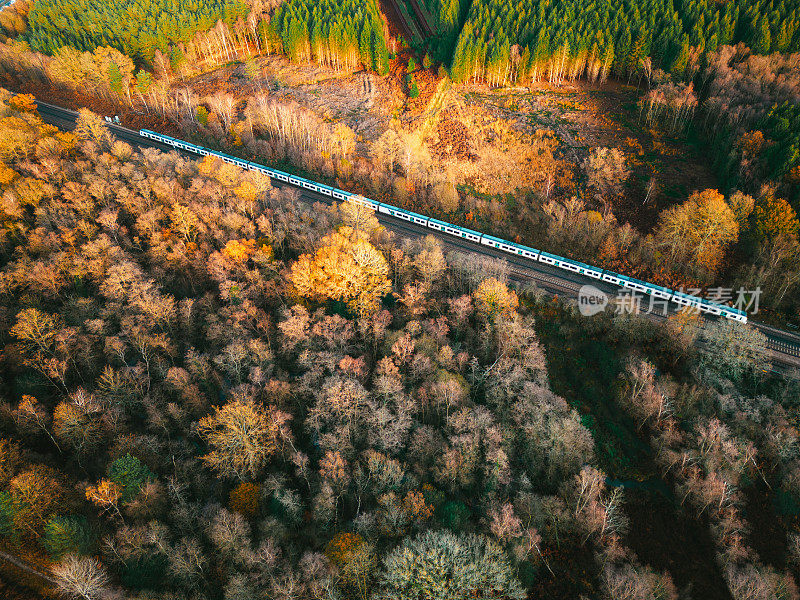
pixel 81 577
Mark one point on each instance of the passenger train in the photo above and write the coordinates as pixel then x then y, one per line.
pixel 566 264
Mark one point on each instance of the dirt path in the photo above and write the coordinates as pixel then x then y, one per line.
pixel 27 568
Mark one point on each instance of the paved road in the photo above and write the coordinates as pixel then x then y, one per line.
pixel 784 346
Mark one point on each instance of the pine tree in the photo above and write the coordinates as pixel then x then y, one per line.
pixel 762 38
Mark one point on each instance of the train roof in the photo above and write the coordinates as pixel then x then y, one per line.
pixel 690 297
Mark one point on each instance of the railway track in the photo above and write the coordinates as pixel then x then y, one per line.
pixel 784 345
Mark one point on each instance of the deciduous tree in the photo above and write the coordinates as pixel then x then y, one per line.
pixel 440 565
pixel 81 577
pixel 243 436
pixel 733 349
pixel 346 267
pixel 493 298
pixel 697 232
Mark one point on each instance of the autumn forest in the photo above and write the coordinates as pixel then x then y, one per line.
pixel 214 386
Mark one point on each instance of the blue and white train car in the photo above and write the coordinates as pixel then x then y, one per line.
pixel 442 226
pixel 552 259
pixel 658 291
pixel 362 201
pixel 500 244
pixel 689 300
pixel 581 268
pixel 566 264
pixel 531 253
pixel 468 234
pixel 611 277
pixel 406 215
pixel 633 284
pixel 326 189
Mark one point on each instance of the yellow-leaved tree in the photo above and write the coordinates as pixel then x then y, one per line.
pixel 346 267
pixel 90 126
pixel 774 217
pixel 242 436
pixel 492 298
pixel 697 232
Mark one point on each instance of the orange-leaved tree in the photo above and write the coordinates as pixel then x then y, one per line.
pixel 244 499
pixel 772 218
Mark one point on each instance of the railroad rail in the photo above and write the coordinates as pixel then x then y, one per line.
pixel 659 292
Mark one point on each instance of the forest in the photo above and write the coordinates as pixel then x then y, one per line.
pixel 214 390
pixel 338 34
pixel 343 35
pixel 136 29
pixel 499 42
pixel 741 234
pixel 503 42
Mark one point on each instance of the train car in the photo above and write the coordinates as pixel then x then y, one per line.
pixel 633 284
pixel 552 259
pixel 305 183
pixel 417 218
pixel 500 244
pixel 722 310
pixel 236 161
pixel 155 136
pixel 406 215
pixel 686 299
pixel 527 252
pixel 357 199
pixel 364 201
pixel 710 307
pixel 658 291
pixel 467 234
pixel 372 204
pixel 547 258
pixel 340 194
pixel 393 211
pixel 582 268
pixel 279 175
pixel 611 277
pixel 567 264
pixel 443 226
pixel 734 314
pixel 590 271
pixel 326 189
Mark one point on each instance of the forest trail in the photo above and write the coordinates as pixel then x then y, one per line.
pixel 25 566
